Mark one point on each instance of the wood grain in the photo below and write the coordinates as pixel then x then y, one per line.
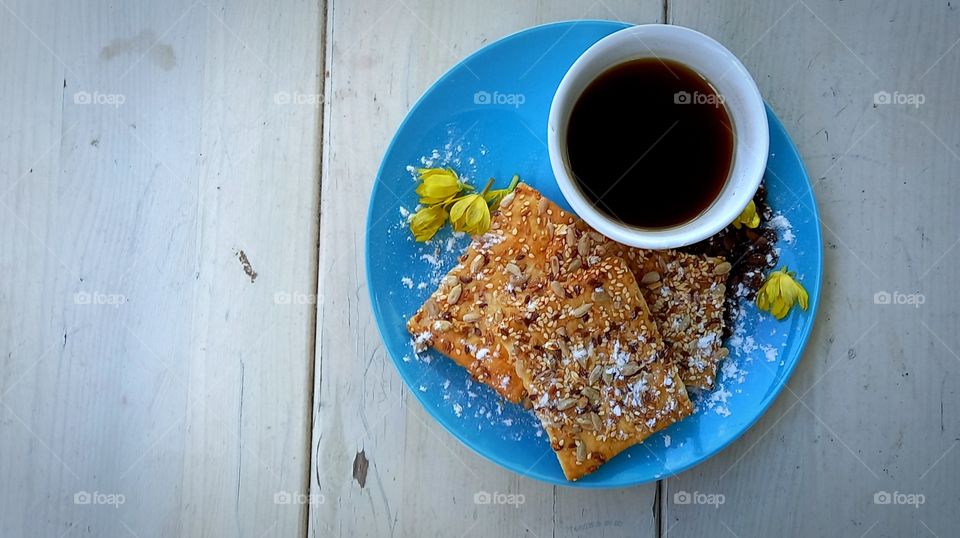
pixel 162 334
pixel 144 151
pixel 872 406
pixel 419 480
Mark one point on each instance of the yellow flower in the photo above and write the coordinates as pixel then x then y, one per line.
pixel 780 292
pixel 495 196
pixel 748 217
pixel 438 185
pixel 470 214
pixel 427 221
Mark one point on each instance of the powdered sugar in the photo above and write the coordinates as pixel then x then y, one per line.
pixel 784 228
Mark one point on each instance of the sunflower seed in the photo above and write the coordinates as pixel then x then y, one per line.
pixel 595 419
pixel 571 236
pixel 454 294
pixel 581 310
pixel 450 280
pixel 431 308
pixel 564 348
pixel 566 403
pixel 582 402
pixel 442 325
pixel 581 452
pixel 557 288
pixel 597 236
pixel 574 265
pixel 650 278
pixel 595 374
pixel 550 228
pixel 583 247
pixel 592 394
pixel 630 369
pixel 720 290
pixel 513 269
pixel 471 317
pixel 607 377
pixel 554 265
pixel 722 268
pixel 477 263
pixel 723 353
pixel 507 200
pixel 542 206
pixel 599 296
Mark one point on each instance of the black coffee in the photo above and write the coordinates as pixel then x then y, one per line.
pixel 650 143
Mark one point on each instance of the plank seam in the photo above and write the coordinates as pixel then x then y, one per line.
pixel 314 372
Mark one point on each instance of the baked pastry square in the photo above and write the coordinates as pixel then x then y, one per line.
pixel 495 275
pixel 594 365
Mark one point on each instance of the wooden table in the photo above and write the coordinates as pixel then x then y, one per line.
pixel 180 358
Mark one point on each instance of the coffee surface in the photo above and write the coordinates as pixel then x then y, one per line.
pixel 650 143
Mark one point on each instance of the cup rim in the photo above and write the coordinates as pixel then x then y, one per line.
pixel 746 170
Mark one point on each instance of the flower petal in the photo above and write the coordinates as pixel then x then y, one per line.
pixel 803 297
pixel 459 208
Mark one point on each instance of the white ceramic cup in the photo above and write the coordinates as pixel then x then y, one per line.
pixel 734 85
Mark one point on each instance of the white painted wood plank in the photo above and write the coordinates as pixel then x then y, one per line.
pixel 872 406
pixel 143 151
pixel 419 480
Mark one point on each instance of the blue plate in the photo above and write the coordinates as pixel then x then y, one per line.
pixel 486 118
